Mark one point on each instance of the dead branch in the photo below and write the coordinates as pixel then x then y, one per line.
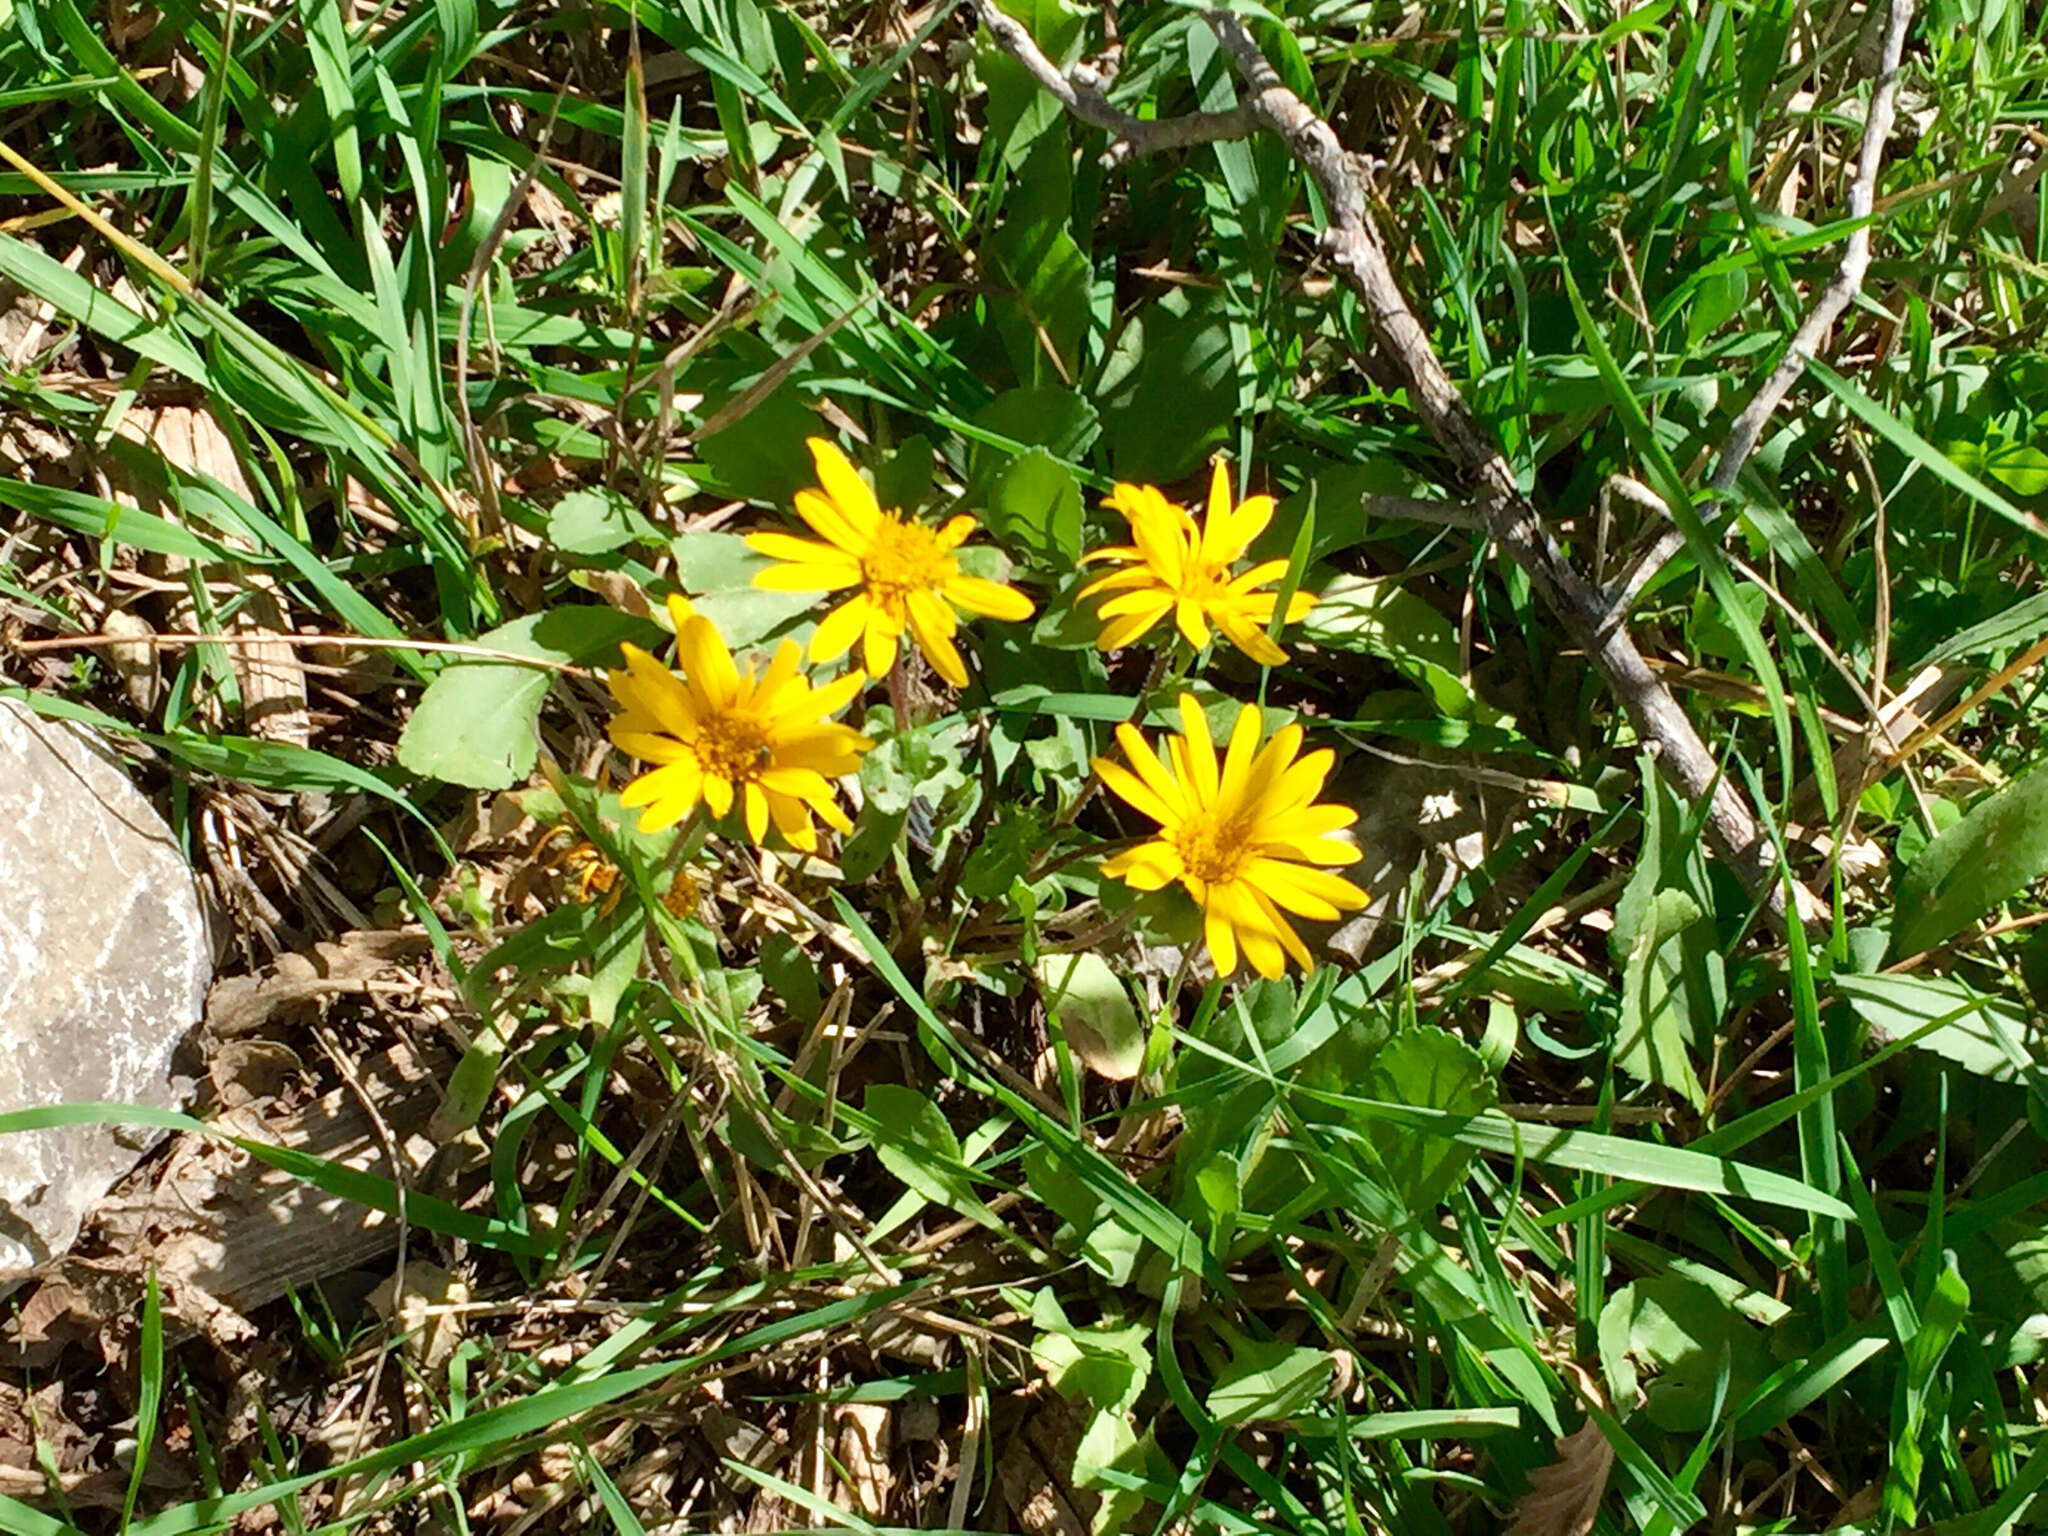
pixel 1834 300
pixel 1354 248
pixel 1080 91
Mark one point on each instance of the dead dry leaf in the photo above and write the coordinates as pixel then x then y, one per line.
pixel 272 683
pixel 1564 1497
pixel 1035 1473
pixel 247 1072
pixel 866 1436
pixel 425 1312
pixel 133 658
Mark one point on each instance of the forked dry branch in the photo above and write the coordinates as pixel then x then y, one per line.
pixel 1833 301
pixel 1354 248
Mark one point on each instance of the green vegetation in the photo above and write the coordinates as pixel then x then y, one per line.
pixel 935 1182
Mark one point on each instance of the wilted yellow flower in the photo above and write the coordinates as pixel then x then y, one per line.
pixel 1242 841
pixel 1172 566
pixel 904 573
pixel 721 735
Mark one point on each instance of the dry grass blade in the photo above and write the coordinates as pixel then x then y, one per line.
pixel 1565 1496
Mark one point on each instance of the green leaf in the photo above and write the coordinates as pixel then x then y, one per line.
pixel 1092 1228
pixel 1169 390
pixel 1035 504
pixel 1982 1035
pixel 596 523
pixel 475 725
pixel 1994 852
pixel 2019 467
pixel 1103 1365
pixel 1019 109
pixel 1094 1012
pixel 761 457
pixel 912 1138
pixel 716 571
pixel 1268 1380
pixel 1691 1338
pixel 1652 1042
pixel 1377 616
pixel 922 762
pixel 1043 416
pixel 1430 1068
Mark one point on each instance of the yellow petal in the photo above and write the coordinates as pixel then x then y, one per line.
pixel 1153 772
pixel 1201 749
pixel 836 526
pixel 1148 867
pixel 1222 940
pixel 990 599
pixel 1255 643
pixel 837 631
pixel 842 482
pixel 1237 757
pixel 878 648
pixel 702 654
pixel 935 642
pixel 1128 787
pixel 1119 633
pixel 718 794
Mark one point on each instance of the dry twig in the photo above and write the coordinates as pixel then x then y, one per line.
pixel 1834 300
pixel 1080 91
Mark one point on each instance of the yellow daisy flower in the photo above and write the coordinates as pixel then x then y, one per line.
pixel 1173 566
pixel 1243 841
pixel 721 735
pixel 903 573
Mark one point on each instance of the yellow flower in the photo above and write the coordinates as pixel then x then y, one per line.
pixel 904 573
pixel 1174 567
pixel 1242 841
pixel 721 735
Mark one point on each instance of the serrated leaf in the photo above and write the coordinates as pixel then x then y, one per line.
pixel 475 723
pixel 1994 852
pixel 1105 1366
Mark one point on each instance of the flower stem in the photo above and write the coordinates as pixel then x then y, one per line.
pixel 899 693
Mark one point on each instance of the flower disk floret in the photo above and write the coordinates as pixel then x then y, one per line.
pixel 724 736
pixel 1244 839
pixel 1174 566
pixel 902 574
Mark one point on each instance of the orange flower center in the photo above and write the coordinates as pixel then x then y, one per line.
pixel 733 747
pixel 904 557
pixel 1211 851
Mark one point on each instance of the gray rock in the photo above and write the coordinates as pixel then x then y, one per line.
pixel 104 962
